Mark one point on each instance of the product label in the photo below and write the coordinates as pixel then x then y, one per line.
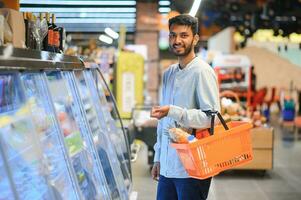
pixel 50 37
pixel 56 39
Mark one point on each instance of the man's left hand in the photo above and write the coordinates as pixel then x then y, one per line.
pixel 159 111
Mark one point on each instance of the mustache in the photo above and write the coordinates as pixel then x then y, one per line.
pixel 174 45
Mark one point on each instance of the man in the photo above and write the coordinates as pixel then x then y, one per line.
pixel 189 88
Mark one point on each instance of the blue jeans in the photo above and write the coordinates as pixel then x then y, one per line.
pixel 182 188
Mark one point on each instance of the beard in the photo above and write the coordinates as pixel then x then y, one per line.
pixel 187 50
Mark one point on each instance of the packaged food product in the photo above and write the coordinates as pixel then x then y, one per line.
pixel 178 135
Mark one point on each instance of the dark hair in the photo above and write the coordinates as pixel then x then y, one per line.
pixel 186 20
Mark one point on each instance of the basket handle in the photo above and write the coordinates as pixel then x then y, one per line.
pixel 212 114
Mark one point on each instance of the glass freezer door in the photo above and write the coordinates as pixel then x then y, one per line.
pixel 19 143
pixel 61 175
pixel 6 185
pixel 105 147
pixel 116 134
pixel 72 121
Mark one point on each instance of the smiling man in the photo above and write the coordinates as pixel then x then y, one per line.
pixel 189 88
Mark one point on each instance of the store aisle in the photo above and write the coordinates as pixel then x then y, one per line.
pixel 142 181
pixel 281 183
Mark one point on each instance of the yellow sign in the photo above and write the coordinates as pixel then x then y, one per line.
pixel 129 82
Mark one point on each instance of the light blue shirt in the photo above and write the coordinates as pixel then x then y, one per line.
pixel 188 91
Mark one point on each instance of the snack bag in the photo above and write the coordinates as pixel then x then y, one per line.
pixel 178 135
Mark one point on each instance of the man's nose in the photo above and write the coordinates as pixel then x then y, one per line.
pixel 177 39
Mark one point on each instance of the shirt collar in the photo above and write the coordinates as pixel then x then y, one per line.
pixel 187 66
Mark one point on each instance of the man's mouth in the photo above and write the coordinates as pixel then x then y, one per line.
pixel 177 46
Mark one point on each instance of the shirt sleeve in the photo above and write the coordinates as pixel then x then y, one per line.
pixel 157 146
pixel 207 98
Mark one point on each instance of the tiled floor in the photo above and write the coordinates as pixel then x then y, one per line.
pixel 281 183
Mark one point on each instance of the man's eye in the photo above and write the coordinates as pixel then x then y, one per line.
pixel 172 35
pixel 184 36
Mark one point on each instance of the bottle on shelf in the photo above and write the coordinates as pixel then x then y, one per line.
pixel 48 40
pixel 56 35
pixel 62 38
pixel 30 19
pixel 26 29
pixel 43 32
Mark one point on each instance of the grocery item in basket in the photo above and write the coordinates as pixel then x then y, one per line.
pixel 178 135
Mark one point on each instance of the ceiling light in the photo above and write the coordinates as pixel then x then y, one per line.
pixel 93 15
pixel 195 7
pixel 98 3
pixel 95 20
pixel 164 10
pixel 111 33
pixel 79 10
pixel 105 39
pixel 164 3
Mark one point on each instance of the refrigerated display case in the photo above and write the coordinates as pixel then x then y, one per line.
pixel 8 192
pixel 19 142
pixel 112 123
pixel 46 138
pixel 77 136
pixel 105 149
pixel 54 153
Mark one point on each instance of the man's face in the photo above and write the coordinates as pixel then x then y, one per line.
pixel 181 40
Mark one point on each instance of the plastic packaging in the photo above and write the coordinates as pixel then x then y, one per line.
pixel 191 138
pixel 177 135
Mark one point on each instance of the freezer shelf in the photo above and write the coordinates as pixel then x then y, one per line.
pixel 105 148
pixel 19 144
pixel 109 124
pixel 48 133
pixel 72 122
pixel 6 186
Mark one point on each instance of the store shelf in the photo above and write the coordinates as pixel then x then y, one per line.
pixel 25 59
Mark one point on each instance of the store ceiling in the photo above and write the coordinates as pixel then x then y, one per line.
pixel 247 15
pixel 93 16
pixel 90 15
pixel 86 16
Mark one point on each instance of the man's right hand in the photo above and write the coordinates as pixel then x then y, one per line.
pixel 159 112
pixel 156 171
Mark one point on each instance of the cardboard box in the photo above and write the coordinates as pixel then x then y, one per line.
pixel 262 160
pixel 16 22
pixel 262 138
pixel 263 144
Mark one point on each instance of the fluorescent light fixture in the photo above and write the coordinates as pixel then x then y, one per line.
pixel 111 33
pixel 96 3
pixel 78 10
pixel 95 20
pixel 195 7
pixel 164 10
pixel 105 39
pixel 164 3
pixel 93 15
pixel 93 30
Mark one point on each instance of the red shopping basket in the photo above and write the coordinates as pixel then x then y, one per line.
pixel 229 146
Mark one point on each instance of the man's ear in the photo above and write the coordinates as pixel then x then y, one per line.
pixel 196 39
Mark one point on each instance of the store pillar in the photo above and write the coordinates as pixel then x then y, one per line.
pixel 147 34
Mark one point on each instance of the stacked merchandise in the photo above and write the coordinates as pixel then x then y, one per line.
pixel 43 34
pixel 30 31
